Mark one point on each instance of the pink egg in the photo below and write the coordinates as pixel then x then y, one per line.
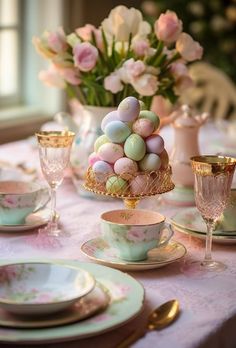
pixel 111 116
pixel 164 159
pixel 102 170
pixel 93 158
pixel 110 152
pixel 143 127
pixel 128 109
pixel 125 165
pixel 154 144
pixel 141 184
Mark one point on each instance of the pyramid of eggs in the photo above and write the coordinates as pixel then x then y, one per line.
pixel 129 159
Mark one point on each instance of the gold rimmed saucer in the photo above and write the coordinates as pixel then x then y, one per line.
pixel 98 250
pixel 96 301
pixel 33 220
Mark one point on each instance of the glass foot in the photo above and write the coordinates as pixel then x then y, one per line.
pixel 53 230
pixel 202 269
pixel 213 266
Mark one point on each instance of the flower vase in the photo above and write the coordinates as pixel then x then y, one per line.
pixel 88 119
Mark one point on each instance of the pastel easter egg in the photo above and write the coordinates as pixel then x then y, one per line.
pixel 150 162
pixel 93 158
pixel 101 170
pixel 143 127
pixel 103 139
pixel 117 131
pixel 125 165
pixel 135 147
pixel 116 185
pixel 150 115
pixel 141 184
pixel 110 152
pixel 128 109
pixel 111 116
pixel 164 159
pixel 155 144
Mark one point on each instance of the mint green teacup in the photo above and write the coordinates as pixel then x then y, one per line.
pixel 18 199
pixel 134 232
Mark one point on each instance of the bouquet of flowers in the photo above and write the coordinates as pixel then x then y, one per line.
pixel 124 56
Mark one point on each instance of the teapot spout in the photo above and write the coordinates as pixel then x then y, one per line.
pixel 66 121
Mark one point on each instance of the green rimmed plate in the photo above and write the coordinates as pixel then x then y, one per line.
pixel 124 290
pixel 190 219
pixel 98 250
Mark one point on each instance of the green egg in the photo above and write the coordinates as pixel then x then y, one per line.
pixel 150 116
pixel 103 139
pixel 135 147
pixel 116 185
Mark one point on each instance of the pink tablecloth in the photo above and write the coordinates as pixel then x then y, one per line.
pixel 208 303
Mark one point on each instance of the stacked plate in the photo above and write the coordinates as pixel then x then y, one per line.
pixel 189 221
pixel 64 300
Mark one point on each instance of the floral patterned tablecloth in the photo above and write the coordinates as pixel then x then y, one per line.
pixel 208 303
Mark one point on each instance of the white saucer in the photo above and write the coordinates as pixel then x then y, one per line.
pixel 98 250
pixel 34 220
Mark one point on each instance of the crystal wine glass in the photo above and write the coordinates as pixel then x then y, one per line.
pixel 213 177
pixel 54 154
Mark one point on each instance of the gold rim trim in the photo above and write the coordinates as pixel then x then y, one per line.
pixel 55 138
pixel 212 165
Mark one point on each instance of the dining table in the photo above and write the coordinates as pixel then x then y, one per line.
pixel 207 301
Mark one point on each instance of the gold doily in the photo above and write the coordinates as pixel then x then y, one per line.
pixel 140 185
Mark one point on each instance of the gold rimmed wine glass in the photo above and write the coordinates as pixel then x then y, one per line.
pixel 213 177
pixel 54 153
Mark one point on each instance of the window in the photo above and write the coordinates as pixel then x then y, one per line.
pixel 10 32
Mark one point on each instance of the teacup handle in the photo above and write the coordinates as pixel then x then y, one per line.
pixel 170 233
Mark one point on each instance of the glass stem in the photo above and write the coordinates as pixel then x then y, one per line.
pixel 53 206
pixel 210 228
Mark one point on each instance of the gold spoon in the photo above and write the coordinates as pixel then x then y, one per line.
pixel 161 317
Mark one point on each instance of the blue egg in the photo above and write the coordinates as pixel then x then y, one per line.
pixel 111 116
pixel 102 170
pixel 117 131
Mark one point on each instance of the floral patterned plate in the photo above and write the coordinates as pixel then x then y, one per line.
pixel 97 249
pixel 95 302
pixel 124 290
pixel 37 288
pixel 34 220
pixel 190 219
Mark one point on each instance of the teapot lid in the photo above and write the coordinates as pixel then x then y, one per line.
pixel 187 118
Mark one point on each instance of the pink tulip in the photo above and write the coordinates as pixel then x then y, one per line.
pixel 188 48
pixel 141 47
pixel 113 83
pixel 52 77
pixel 146 84
pixel 70 75
pixel 168 27
pixel 85 33
pixel 179 69
pixel 42 48
pixel 85 56
pixel 134 68
pixel 57 41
